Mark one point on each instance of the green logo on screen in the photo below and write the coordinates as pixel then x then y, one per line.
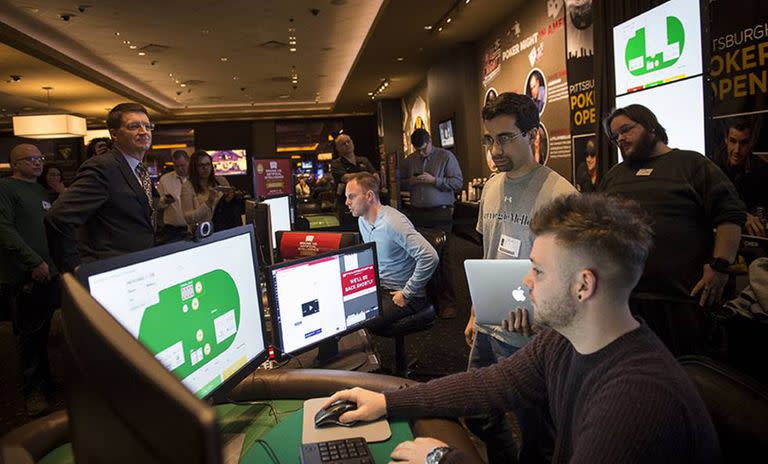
pixel 639 61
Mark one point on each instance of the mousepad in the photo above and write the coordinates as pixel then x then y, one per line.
pixel 372 431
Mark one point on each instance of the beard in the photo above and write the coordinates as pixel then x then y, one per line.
pixel 642 149
pixel 555 313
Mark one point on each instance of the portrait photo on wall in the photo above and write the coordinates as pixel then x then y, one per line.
pixel 540 144
pixel 585 162
pixel 536 88
pixel 490 95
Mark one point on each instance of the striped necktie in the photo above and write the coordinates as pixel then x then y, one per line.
pixel 146 184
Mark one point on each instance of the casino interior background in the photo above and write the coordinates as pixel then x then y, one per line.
pixel 279 78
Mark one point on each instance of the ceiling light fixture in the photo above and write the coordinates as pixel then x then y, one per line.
pixel 448 17
pixel 224 58
pixel 49 126
pixel 142 53
pixel 400 58
pixel 428 28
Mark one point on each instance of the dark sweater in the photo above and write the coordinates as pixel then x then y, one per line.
pixel 23 244
pixel 629 402
pixel 686 196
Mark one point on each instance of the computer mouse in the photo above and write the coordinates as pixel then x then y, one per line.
pixel 330 416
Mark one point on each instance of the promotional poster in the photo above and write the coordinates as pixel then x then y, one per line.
pixel 272 177
pixel 526 55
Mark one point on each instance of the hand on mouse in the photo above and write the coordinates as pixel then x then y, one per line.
pixel 370 405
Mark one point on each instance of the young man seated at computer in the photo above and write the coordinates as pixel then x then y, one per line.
pixel 406 259
pixel 612 391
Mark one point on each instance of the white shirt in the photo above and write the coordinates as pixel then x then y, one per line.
pixel 170 184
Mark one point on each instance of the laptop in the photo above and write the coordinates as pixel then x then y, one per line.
pixel 496 287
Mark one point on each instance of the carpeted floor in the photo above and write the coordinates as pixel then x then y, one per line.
pixel 439 350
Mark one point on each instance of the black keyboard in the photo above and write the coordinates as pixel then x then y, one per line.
pixel 349 451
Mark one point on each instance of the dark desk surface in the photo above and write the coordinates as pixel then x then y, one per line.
pixel 281 429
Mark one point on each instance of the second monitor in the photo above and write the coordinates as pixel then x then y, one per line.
pixel 318 298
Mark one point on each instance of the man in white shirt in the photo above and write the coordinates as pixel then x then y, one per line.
pixel 174 226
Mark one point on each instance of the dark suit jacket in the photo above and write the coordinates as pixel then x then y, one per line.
pixel 104 213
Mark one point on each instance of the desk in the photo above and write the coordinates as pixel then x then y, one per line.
pixel 257 422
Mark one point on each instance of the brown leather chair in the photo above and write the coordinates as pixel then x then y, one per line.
pixel 737 404
pixel 31 442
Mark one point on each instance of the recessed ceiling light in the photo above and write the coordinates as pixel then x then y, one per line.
pixel 170 74
pixel 370 93
pixel 142 53
pixel 183 84
pixel 235 78
pixel 440 29
pixel 117 34
pixel 133 47
pixel 292 49
pixel 224 58
pixel 400 58
pixel 427 28
pixel 205 31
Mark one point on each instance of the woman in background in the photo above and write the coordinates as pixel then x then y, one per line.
pixel 53 181
pixel 98 146
pixel 204 190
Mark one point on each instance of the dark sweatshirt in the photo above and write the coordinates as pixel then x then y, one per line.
pixel 630 402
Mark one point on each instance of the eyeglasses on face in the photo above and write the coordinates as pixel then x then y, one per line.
pixel 623 130
pixel 33 159
pixel 134 126
pixel 501 140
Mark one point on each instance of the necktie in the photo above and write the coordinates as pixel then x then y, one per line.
pixel 146 184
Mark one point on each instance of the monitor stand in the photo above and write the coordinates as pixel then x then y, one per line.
pixel 329 357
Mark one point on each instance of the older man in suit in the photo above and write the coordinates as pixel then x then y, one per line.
pixel 107 210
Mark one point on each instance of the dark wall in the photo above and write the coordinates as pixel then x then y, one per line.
pixel 452 93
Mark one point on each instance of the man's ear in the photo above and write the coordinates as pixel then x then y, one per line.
pixel 586 284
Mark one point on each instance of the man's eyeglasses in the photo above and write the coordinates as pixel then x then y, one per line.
pixel 501 140
pixel 621 131
pixel 33 159
pixel 134 126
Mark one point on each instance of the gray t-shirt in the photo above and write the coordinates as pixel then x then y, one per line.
pixel 506 209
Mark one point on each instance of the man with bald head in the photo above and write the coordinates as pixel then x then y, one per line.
pixel 342 169
pixel 27 274
pixel 108 209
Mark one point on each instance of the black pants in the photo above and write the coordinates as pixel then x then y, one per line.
pixel 169 234
pixel 32 307
pixel 440 219
pixel 390 312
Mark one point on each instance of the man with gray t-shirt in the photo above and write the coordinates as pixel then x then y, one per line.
pixel 509 201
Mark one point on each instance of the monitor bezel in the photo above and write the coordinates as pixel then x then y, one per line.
pixel 99 267
pixel 277 335
pixel 291 214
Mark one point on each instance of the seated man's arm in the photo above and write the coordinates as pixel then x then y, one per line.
pixel 425 255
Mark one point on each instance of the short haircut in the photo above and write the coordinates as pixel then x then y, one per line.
pixel 614 232
pixel 115 116
pixel 180 154
pixel 367 181
pixel 740 124
pixel 419 137
pixel 521 107
pixel 641 115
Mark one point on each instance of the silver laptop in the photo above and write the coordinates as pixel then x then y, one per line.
pixel 496 287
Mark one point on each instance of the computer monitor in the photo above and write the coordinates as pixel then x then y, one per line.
pixel 258 214
pixel 195 305
pixel 281 216
pixel 123 405
pixel 320 298
pixel 229 162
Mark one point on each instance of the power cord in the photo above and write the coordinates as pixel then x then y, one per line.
pixel 270 452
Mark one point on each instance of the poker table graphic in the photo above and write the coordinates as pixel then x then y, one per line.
pixel 193 322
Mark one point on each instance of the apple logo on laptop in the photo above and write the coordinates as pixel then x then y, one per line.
pixel 518 294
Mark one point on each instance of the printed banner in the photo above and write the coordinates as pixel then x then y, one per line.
pixel 272 177
pixel 527 55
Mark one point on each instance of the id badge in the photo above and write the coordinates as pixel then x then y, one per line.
pixel 46 205
pixel 509 246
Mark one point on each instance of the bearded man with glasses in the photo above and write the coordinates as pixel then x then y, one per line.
pixel 508 203
pixel 687 197
pixel 108 209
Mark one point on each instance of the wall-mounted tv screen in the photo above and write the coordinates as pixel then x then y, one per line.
pixel 446 133
pixel 229 162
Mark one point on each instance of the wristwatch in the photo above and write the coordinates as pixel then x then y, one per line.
pixel 436 454
pixel 720 265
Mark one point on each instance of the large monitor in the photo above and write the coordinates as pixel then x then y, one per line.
pixel 325 296
pixel 259 215
pixel 658 63
pixel 281 216
pixel 195 305
pixel 229 162
pixel 123 405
